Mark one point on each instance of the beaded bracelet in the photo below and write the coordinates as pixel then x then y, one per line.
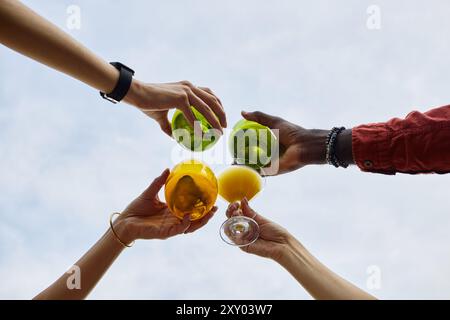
pixel 331 157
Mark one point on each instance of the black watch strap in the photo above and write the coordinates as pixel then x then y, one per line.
pixel 123 84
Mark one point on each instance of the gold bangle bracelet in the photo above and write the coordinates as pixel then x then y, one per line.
pixel 114 232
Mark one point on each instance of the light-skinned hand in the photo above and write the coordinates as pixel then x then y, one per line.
pixel 147 217
pixel 155 100
pixel 273 239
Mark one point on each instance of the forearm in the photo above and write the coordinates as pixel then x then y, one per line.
pixel 419 143
pixel 316 278
pixel 92 267
pixel 26 32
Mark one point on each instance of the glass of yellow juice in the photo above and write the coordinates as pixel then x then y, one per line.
pixel 235 183
pixel 191 188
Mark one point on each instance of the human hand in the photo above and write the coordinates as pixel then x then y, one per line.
pixel 273 240
pixel 276 243
pixel 149 218
pixel 298 146
pixel 155 100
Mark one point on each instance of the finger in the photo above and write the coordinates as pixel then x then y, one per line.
pixel 232 208
pixel 202 222
pixel 165 125
pixel 152 191
pixel 183 225
pixel 249 212
pixel 209 93
pixel 204 109
pixel 212 93
pixel 246 210
pixel 262 118
pixel 188 114
pixel 213 103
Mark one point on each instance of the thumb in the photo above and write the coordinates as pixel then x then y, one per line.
pixel 261 118
pixel 151 192
pixel 283 164
pixel 165 125
pixel 183 225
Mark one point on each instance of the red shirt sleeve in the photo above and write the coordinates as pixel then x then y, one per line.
pixel 420 143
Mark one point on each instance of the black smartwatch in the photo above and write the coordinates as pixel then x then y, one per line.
pixel 122 86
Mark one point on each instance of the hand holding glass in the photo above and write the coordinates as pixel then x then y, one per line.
pixel 236 183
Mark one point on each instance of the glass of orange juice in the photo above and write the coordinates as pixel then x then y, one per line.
pixel 191 188
pixel 235 183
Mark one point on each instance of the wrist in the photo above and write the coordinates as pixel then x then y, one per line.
pixel 122 85
pixel 134 93
pixel 286 250
pixel 344 150
pixel 296 259
pixel 313 147
pixel 291 251
pixel 122 228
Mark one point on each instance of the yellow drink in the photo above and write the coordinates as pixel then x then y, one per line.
pixel 191 188
pixel 238 182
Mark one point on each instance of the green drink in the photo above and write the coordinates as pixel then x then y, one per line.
pixel 251 144
pixel 185 135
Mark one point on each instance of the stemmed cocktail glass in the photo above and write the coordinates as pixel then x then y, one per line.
pixel 235 183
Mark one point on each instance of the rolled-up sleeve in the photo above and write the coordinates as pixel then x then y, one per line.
pixel 420 143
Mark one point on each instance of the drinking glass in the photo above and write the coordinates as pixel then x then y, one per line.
pixel 235 183
pixel 191 188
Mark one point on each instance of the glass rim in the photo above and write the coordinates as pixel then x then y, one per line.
pixel 262 179
pixel 258 171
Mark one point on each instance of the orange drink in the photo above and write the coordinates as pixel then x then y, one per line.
pixel 239 181
pixel 191 188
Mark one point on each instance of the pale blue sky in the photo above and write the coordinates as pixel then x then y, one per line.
pixel 69 159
